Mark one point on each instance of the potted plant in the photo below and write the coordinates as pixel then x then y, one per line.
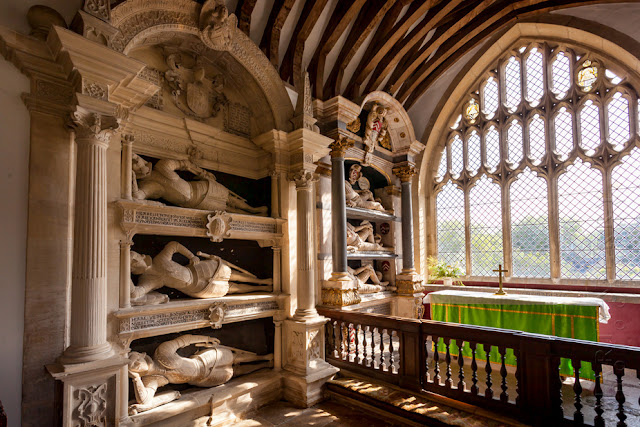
pixel 444 271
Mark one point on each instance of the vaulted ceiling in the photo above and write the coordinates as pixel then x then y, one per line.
pixel 352 47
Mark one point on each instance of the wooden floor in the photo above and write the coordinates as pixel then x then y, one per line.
pixel 327 413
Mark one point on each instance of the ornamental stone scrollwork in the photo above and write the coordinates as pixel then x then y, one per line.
pixel 215 25
pixel 340 146
pixel 354 126
pixel 99 8
pixel 313 345
pixel 54 92
pixel 217 311
pixel 87 124
pixel 340 297
pixel 218 226
pixel 95 90
pixel 405 173
pixel 303 179
pixel 296 346
pixel 91 410
pixel 375 130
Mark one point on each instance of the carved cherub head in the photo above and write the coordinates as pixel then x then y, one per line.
pixel 140 167
pixel 355 172
pixel 140 263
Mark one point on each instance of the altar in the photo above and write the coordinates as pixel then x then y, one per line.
pixel 567 317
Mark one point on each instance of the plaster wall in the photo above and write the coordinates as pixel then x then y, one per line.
pixel 14 167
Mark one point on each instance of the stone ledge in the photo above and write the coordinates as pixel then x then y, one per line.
pixel 223 403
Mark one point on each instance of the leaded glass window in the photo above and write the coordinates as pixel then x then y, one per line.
pixel 554 143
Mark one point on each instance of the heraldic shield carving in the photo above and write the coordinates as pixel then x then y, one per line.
pixel 194 93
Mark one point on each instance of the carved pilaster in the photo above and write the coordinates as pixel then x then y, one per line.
pixel 89 276
pixel 125 272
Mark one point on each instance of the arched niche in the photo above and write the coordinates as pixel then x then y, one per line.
pixel 147 24
pixel 400 127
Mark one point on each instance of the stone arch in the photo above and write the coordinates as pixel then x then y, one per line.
pixel 467 78
pixel 137 20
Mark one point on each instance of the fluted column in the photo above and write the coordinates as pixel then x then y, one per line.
pixel 89 275
pixel 125 273
pixel 306 244
pixel 126 170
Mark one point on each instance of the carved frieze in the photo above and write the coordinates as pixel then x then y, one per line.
pixel 340 297
pixel 154 76
pixel 99 8
pixel 53 91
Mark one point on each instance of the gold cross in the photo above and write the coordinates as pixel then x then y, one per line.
pixel 500 271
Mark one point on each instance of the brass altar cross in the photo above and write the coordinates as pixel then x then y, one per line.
pixel 500 271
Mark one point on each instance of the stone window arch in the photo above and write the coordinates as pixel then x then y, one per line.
pixel 546 143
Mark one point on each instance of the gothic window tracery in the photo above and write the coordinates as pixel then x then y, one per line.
pixel 539 170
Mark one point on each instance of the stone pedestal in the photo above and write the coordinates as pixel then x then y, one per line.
pixel 305 371
pixel 93 393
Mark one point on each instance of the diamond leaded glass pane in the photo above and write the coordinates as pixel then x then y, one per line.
pixel 450 224
pixel 534 72
pixel 590 126
pixel 514 142
pixel 626 221
pixel 537 146
pixel 492 147
pixel 561 72
pixel 563 133
pixel 513 90
pixel 486 227
pixel 490 97
pixel 580 208
pixel 457 161
pixel 473 151
pixel 618 115
pixel 529 226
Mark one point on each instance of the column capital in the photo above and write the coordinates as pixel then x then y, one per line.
pixel 405 172
pixel 339 146
pixel 303 179
pixel 89 124
pixel 128 139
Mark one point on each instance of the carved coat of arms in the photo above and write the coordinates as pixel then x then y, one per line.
pixel 194 93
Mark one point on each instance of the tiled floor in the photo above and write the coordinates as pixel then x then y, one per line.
pixel 327 413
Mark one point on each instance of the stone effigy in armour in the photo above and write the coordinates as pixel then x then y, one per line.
pixel 362 198
pixel 209 367
pixel 365 273
pixel 161 181
pixel 209 278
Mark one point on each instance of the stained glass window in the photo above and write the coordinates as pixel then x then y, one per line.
pixel 587 76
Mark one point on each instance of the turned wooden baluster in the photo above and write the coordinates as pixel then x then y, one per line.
pixel 504 396
pixel 461 384
pixel 391 361
pixel 365 355
pixel 488 393
pixel 427 375
pixel 448 382
pixel 436 360
pixel 618 370
pixel 330 342
pixel 517 375
pixel 578 418
pixel 598 421
pixel 344 338
pixel 383 364
pixel 474 369
pixel 356 359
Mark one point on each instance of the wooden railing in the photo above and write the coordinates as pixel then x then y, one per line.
pixel 449 359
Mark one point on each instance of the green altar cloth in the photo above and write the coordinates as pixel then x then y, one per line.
pixel 559 316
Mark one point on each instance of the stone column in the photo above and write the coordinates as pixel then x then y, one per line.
pixel 275 196
pixel 339 290
pixel 277 269
pixel 89 275
pixel 277 345
pixel 125 273
pixel 305 244
pixel 126 171
pixel 408 282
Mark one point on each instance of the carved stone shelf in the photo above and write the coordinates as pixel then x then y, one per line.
pixel 151 218
pixel 372 255
pixel 187 314
pixel 371 215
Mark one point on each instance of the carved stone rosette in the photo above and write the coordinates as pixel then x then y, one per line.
pixel 218 226
pixel 340 146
